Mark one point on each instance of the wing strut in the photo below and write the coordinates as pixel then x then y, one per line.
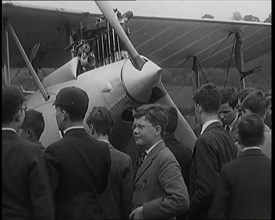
pixel 26 59
pixel 7 65
pixel 239 56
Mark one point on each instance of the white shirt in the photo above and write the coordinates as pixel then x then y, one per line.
pixel 248 148
pixel 151 148
pixel 9 129
pixel 206 124
pixel 73 127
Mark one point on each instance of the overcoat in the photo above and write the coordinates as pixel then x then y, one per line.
pixel 78 167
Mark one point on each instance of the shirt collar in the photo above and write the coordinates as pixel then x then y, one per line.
pixel 206 124
pixel 233 122
pixel 103 140
pixel 250 148
pixel 9 129
pixel 151 148
pixel 73 127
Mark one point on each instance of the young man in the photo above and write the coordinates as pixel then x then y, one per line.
pixel 25 188
pixel 256 102
pixel 32 127
pixel 116 200
pixel 78 165
pixel 159 188
pixel 213 148
pixel 228 114
pixel 244 187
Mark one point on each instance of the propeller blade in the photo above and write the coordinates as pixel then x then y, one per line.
pixel 183 132
pixel 109 14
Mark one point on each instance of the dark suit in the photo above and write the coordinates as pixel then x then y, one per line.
pixel 116 199
pixel 25 187
pixel 159 186
pixel 244 190
pixel 212 150
pixel 182 153
pixel 78 167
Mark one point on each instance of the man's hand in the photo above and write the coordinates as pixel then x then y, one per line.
pixel 137 213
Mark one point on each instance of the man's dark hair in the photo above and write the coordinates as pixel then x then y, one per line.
pixel 172 116
pixel 154 113
pixel 229 96
pixel 101 120
pixel 256 102
pixel 34 120
pixel 208 97
pixel 251 130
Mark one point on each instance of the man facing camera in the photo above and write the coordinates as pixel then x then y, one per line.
pixel 78 165
pixel 159 188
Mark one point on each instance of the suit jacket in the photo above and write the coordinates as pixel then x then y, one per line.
pixel 159 186
pixel 26 192
pixel 116 199
pixel 78 167
pixel 182 153
pixel 212 150
pixel 244 190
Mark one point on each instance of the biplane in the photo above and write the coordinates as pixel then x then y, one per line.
pixel 100 54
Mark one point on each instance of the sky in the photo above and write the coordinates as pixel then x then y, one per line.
pixel 220 9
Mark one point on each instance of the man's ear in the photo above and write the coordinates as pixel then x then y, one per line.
pixel 91 129
pixel 17 116
pixel 158 130
pixel 198 107
pixel 31 134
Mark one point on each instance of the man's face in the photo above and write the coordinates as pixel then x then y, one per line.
pixel 227 114
pixel 144 132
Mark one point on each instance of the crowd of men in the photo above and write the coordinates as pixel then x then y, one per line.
pixel 83 176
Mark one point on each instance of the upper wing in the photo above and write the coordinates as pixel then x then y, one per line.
pixel 48 26
pixel 167 42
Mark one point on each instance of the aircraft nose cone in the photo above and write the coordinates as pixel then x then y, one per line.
pixel 139 84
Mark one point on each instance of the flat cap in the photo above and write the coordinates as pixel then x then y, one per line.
pixel 12 97
pixel 73 99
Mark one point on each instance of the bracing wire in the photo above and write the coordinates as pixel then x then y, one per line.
pixel 233 46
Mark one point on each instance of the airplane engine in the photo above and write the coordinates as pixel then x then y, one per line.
pixel 118 86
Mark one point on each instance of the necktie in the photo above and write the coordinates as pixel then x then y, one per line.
pixel 139 162
pixel 141 158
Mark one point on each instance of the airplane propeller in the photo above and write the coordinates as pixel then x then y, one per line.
pixel 109 14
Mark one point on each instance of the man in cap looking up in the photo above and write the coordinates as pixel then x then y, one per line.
pixel 25 188
pixel 78 165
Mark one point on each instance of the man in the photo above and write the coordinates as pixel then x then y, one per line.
pixel 78 165
pixel 213 148
pixel 117 198
pixel 256 102
pixel 228 114
pixel 159 188
pixel 32 127
pixel 182 153
pixel 244 189
pixel 25 188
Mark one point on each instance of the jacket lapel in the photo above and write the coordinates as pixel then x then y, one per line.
pixel 148 160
